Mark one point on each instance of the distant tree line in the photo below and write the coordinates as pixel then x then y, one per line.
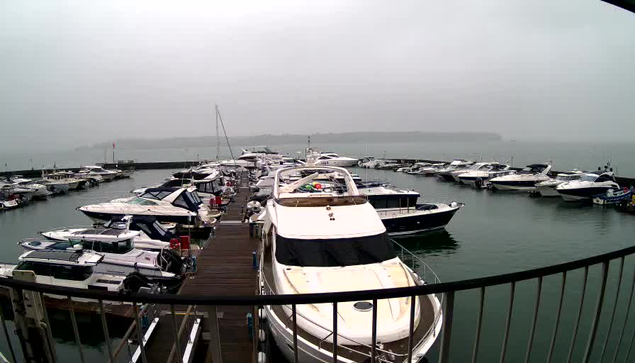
pixel 334 138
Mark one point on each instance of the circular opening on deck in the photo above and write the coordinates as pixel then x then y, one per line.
pixel 363 306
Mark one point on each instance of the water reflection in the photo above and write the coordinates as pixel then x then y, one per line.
pixel 431 242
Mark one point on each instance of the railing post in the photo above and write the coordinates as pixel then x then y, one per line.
pixel 444 353
pixel 373 351
pixel 508 323
pixel 479 324
pixel 411 328
pixel 214 349
pixel 177 337
pixel 75 330
pixel 534 320
pixel 617 298
pixel 294 312
pixel 628 312
pixel 142 347
pixel 104 325
pixel 554 336
pixel 577 323
pixel 6 334
pixel 335 332
pixel 598 312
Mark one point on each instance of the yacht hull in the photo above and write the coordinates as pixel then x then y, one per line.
pixel 445 176
pixel 400 223
pixel 523 186
pixel 101 217
pixel 581 194
pixel 547 191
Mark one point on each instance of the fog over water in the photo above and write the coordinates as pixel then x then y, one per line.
pixel 76 73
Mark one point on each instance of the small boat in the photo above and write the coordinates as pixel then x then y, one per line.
pixel 37 190
pixel 613 196
pixel 402 215
pixel 431 170
pixel 70 268
pixel 178 205
pixel 587 186
pixel 146 232
pixel 91 171
pixel 479 178
pixel 445 174
pixel 416 168
pixel 58 179
pixel 481 166
pixel 119 256
pixel 332 159
pixel 547 188
pixel 525 180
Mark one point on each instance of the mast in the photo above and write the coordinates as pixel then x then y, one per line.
pixel 220 118
pixel 217 138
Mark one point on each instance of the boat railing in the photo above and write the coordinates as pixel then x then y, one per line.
pixel 591 296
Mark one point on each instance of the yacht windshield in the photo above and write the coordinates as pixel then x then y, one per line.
pixel 141 201
pixel 334 252
pixel 588 177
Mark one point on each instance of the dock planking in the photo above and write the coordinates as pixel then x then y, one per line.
pixel 224 267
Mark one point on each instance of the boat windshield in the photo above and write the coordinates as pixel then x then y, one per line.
pixel 588 177
pixel 119 247
pixel 334 252
pixel 141 201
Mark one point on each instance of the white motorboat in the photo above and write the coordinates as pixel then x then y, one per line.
pixel 400 212
pixel 333 159
pixel 11 191
pixel 445 174
pixel 37 190
pixel 547 188
pixel 91 171
pixel 320 242
pixel 120 257
pixel 416 168
pixel 587 186
pixel 525 180
pixel 431 170
pixel 58 179
pixel 67 268
pixel 480 177
pixel 481 166
pixel 146 232
pixel 177 205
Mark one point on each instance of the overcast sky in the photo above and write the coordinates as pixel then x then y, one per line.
pixel 76 73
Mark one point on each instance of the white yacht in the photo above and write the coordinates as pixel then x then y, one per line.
pixel 431 170
pixel 547 188
pixel 400 212
pixel 481 176
pixel 63 180
pixel 177 205
pixel 445 174
pixel 146 232
pixel 120 256
pixel 416 167
pixel 37 190
pixel 333 159
pixel 524 180
pixel 481 166
pixel 319 240
pixel 65 268
pixel 91 171
pixel 587 186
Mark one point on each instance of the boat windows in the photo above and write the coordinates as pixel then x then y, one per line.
pixel 334 252
pixel 156 194
pixel 73 273
pixel 604 178
pixel 188 200
pixel 588 177
pixel 119 247
pixel 141 201
pixel 38 268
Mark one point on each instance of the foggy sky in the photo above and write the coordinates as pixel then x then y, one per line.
pixel 77 73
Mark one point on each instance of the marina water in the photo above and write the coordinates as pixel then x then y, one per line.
pixel 495 233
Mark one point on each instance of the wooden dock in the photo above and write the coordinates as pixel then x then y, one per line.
pixel 224 267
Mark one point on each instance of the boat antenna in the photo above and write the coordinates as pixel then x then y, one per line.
pixel 220 118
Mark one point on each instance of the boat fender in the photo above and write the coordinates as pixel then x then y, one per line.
pixel 262 357
pixel 261 335
pixel 262 314
pixel 453 205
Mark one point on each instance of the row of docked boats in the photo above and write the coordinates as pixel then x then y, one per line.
pixel 600 186
pixel 16 191
pixel 133 241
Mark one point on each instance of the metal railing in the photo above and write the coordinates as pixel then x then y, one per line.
pixel 608 331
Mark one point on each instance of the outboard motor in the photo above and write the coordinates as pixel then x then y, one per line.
pixel 170 261
pixel 134 281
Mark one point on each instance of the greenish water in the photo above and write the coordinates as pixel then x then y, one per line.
pixel 494 233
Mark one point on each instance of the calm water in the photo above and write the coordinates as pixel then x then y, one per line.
pixel 494 233
pixel 565 156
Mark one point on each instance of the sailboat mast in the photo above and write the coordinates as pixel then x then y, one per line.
pixel 217 138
